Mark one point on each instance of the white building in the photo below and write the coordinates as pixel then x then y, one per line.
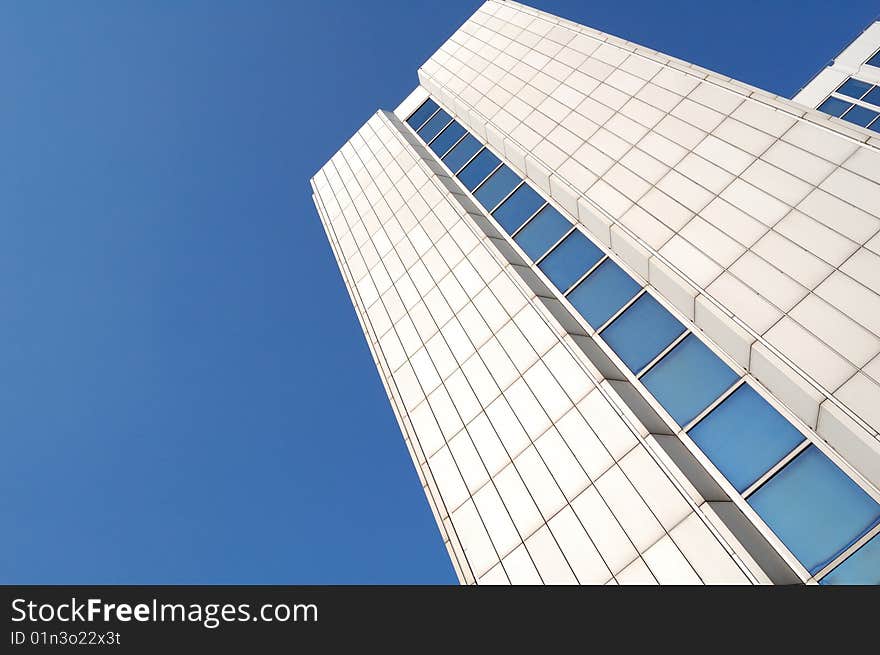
pixel 849 87
pixel 626 310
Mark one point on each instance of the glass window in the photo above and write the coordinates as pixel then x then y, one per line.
pixel 422 114
pixel 860 115
pixel 641 332
pixel 875 126
pixel 874 96
pixel 570 259
pixel 493 190
pixel 606 290
pixel 875 60
pixel 834 106
pixel 447 138
pixel 744 437
pixel 461 153
pixel 476 171
pixel 814 508
pixel 514 211
pixel 854 88
pixel 436 123
pixel 688 379
pixel 862 567
pixel 545 229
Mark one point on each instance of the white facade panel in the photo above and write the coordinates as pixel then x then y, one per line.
pixel 670 218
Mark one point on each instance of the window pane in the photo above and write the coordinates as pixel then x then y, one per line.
pixel 545 229
pixel 875 126
pixel 744 437
pixel 875 60
pixel 475 172
pixel 493 190
pixel 517 208
pixel 853 88
pixel 862 567
pixel 447 138
pixel 688 379
pixel 874 96
pixel 460 154
pixel 814 508
pixel 860 115
pixel 606 290
pixel 421 114
pixel 641 332
pixel 570 259
pixel 834 106
pixel 432 128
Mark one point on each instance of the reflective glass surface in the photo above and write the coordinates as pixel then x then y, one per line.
pixel 461 153
pixel 436 123
pixel 447 138
pixel 834 106
pixel 477 170
pixel 860 115
pixel 688 379
pixel 421 114
pixel 862 567
pixel 545 229
pixel 875 60
pixel 514 211
pixel 642 332
pixel 874 96
pixel 600 295
pixel 745 437
pixel 570 260
pixel 854 88
pixel 814 508
pixel 493 190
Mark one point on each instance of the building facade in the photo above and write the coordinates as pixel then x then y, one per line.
pixel 626 310
pixel 849 87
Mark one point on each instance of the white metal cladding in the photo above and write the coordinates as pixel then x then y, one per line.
pixel 535 469
pixel 450 359
pixel 754 217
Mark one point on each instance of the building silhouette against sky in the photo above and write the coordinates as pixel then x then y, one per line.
pixel 626 310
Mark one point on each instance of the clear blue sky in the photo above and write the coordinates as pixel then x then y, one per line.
pixel 185 393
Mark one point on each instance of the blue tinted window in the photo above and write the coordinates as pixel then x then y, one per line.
pixel 447 138
pixel 641 332
pixel 875 126
pixel 834 106
pixel 874 96
pixel 493 190
pixel 606 290
pixel 875 60
pixel 860 115
pixel 744 437
pixel 688 379
pixel 514 211
pixel 475 172
pixel 422 114
pixel 814 508
pixel 436 123
pixel 460 154
pixel 853 88
pixel 570 259
pixel 862 567
pixel 545 229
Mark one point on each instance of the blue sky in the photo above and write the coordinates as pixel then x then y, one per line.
pixel 185 393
